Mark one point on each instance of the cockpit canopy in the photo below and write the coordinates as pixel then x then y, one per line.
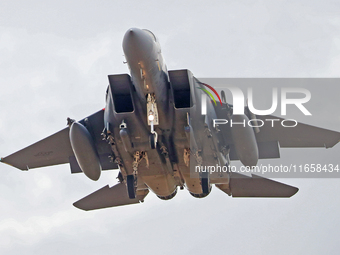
pixel 151 34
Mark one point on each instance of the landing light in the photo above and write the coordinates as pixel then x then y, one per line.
pixel 151 117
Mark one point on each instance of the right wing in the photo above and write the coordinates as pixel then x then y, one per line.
pixel 56 149
pixel 53 150
pixel 271 138
pixel 302 135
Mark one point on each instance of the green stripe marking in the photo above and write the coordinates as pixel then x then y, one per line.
pixel 206 91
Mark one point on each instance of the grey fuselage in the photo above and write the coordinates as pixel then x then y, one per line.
pixel 164 168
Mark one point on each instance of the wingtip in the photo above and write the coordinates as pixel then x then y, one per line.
pixel 294 191
pixel 5 161
pixel 2 160
pixel 77 205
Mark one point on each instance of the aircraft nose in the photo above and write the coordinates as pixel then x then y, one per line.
pixel 137 43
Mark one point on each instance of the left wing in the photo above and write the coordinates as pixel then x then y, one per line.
pixel 56 149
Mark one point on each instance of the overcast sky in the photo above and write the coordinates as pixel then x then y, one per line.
pixel 54 60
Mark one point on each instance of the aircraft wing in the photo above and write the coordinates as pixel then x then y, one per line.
pixel 302 135
pixel 52 150
pixel 270 139
pixel 56 149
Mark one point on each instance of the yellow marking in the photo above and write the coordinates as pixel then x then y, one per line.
pixel 159 67
pixel 6 163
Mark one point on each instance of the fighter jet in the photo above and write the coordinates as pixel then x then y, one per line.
pixel 154 133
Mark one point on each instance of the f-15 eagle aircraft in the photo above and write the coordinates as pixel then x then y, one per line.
pixel 153 131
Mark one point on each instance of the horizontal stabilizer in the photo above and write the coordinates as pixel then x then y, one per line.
pixel 108 197
pixel 256 186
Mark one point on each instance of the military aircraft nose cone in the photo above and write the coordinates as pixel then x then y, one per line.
pixel 137 44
